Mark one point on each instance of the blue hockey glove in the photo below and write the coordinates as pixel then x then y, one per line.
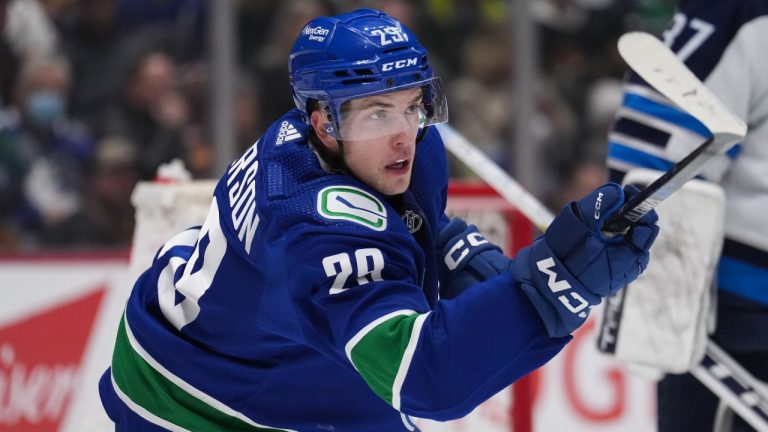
pixel 466 257
pixel 572 266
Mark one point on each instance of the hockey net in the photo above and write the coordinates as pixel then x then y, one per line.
pixel 167 207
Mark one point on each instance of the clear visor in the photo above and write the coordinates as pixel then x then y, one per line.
pixel 401 110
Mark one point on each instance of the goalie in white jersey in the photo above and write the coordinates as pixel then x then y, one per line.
pixel 327 289
pixel 724 43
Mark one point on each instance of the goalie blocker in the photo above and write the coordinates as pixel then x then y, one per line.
pixel 660 323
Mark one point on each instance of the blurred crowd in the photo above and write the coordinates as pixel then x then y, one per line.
pixel 96 94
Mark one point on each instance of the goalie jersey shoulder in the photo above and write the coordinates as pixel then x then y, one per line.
pixel 700 34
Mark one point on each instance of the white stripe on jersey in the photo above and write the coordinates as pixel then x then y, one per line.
pixel 405 363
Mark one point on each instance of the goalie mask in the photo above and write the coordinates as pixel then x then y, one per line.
pixel 343 62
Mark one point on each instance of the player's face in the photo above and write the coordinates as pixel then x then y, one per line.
pixel 387 126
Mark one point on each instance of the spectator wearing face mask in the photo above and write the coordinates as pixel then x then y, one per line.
pixel 43 154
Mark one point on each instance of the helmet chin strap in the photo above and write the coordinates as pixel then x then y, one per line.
pixel 341 160
pixel 422 134
pixel 334 162
pixel 337 162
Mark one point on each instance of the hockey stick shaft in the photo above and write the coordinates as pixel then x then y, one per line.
pixel 715 359
pixel 496 177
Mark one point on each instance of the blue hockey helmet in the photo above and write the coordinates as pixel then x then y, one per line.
pixel 360 54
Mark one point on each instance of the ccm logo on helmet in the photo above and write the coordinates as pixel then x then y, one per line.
pixel 399 64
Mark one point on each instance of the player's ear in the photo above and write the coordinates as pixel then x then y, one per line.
pixel 318 123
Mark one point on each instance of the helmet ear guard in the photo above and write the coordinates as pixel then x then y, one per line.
pixel 328 124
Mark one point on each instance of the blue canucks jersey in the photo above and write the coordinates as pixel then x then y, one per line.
pixel 724 43
pixel 305 302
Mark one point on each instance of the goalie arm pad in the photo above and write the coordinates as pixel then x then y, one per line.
pixel 466 258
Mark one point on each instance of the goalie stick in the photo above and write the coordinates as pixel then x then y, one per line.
pixel 496 177
pixel 725 377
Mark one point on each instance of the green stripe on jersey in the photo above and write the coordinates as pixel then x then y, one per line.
pixel 149 389
pixel 384 352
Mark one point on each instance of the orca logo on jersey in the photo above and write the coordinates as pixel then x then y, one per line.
pixel 352 204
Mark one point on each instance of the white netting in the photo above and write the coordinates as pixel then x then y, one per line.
pixel 162 210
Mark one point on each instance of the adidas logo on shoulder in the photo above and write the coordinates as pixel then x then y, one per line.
pixel 287 132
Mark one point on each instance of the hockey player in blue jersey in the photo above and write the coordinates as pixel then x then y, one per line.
pixel 724 43
pixel 306 302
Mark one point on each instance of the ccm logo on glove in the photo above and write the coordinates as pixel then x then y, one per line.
pixel 474 239
pixel 598 204
pixel 557 286
pixel 573 265
pixel 468 258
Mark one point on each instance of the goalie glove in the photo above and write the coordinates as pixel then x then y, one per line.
pixel 572 266
pixel 466 258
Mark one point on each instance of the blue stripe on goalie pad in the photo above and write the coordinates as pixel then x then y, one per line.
pixel 743 279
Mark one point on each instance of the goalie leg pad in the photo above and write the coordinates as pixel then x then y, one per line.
pixel 661 321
